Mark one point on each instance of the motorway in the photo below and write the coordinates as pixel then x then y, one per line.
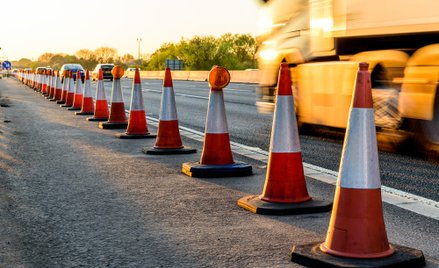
pixel 73 195
pixel 406 172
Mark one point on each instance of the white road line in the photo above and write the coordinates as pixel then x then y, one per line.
pixel 414 203
pixel 177 94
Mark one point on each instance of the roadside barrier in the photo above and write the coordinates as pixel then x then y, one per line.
pixel 285 190
pixel 70 91
pixel 356 234
pixel 117 118
pixel 88 106
pixel 216 158
pixel 77 97
pixel 137 124
pixel 58 88
pixel 65 88
pixel 101 105
pixel 168 135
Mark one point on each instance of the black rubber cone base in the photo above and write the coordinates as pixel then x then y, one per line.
pixel 84 113
pixel 160 151
pixel 113 125
pixel 74 109
pixel 310 255
pixel 97 119
pixel 60 102
pixel 65 106
pixel 237 169
pixel 135 136
pixel 53 100
pixel 253 203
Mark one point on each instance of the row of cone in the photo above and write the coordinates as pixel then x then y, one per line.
pixel 356 234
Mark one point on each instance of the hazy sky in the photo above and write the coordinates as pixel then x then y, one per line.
pixel 31 27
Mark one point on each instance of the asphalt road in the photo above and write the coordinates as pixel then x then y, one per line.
pixel 406 172
pixel 72 195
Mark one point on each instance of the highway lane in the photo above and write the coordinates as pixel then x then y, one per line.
pixel 404 172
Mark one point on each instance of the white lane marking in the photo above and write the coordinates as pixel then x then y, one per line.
pixel 177 94
pixel 411 202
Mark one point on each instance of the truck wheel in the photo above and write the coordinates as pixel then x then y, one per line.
pixel 427 132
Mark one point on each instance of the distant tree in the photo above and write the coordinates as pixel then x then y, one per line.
pixel 85 54
pixel 105 54
pixel 127 58
pixel 157 61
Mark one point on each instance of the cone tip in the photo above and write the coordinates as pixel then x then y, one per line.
pixel 284 84
pixel 87 75
pixel 363 91
pixel 137 76
pixel 101 75
pixel 167 82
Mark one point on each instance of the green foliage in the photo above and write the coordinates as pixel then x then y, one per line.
pixel 233 51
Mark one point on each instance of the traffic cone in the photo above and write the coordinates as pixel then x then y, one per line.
pixel 137 125
pixel 216 158
pixel 39 82
pixel 52 81
pixel 77 97
pixel 65 88
pixel 117 118
pixel 45 80
pixel 58 88
pixel 168 135
pixel 285 189
pixel 101 105
pixel 70 91
pixel 356 234
pixel 48 74
pixel 87 107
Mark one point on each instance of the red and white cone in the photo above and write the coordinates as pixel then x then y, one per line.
pixel 101 105
pixel 168 135
pixel 117 118
pixel 51 85
pixel 216 158
pixel 70 91
pixel 48 82
pixel 87 107
pixel 58 88
pixel 77 98
pixel 65 88
pixel 285 190
pixel 357 234
pixel 39 82
pixel 137 125
pixel 44 83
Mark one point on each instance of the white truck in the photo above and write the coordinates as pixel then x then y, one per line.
pixel 324 40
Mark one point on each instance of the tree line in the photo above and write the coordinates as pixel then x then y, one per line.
pixel 233 51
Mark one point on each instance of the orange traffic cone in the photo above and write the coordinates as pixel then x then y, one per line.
pixel 356 235
pixel 48 82
pixel 87 99
pixel 216 158
pixel 77 97
pixel 285 189
pixel 58 88
pixel 51 92
pixel 137 125
pixel 44 83
pixel 65 88
pixel 101 105
pixel 168 135
pixel 39 82
pixel 70 91
pixel 117 118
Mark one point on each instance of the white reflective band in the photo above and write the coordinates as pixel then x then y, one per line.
pixel 359 167
pixel 284 136
pixel 58 83
pixel 116 92
pixel 78 89
pixel 65 85
pixel 100 91
pixel 216 121
pixel 87 89
pixel 168 110
pixel 71 85
pixel 137 99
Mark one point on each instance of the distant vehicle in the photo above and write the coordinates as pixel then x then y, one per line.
pixel 129 71
pixel 106 71
pixel 74 67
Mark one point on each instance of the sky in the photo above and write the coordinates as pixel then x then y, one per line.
pixel 30 28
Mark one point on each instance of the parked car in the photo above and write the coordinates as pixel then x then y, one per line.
pixel 129 71
pixel 106 71
pixel 74 67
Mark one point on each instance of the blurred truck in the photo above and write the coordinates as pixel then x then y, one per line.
pixel 323 41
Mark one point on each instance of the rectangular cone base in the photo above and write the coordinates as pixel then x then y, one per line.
pixel 160 151
pixel 113 125
pixel 84 113
pixel 237 169
pixel 136 136
pixel 65 106
pixel 53 100
pixel 254 204
pixel 60 102
pixel 74 109
pixel 310 255
pixel 96 119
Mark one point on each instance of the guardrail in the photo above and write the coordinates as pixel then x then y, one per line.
pixel 246 76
